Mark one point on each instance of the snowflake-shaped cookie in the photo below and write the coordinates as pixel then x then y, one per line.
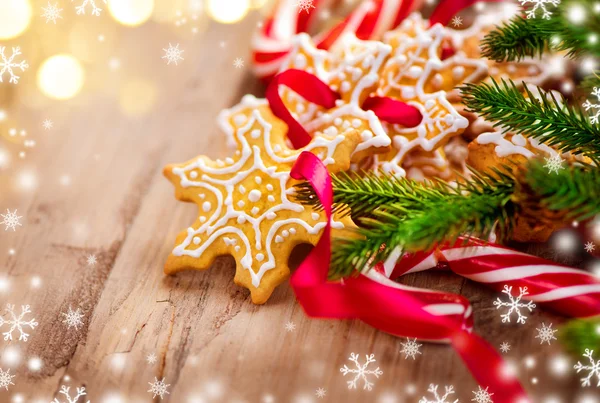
pixel 245 206
pixel 352 70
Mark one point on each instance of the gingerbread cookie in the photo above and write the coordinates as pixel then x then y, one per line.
pixel 245 207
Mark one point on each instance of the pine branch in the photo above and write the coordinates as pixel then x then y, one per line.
pixel 580 334
pixel 474 208
pixel 575 190
pixel 546 120
pixel 521 37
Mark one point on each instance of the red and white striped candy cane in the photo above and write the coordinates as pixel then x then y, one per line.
pixel 272 43
pixel 565 290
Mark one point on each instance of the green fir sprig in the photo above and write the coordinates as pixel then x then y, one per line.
pixel 577 335
pixel 542 117
pixel 574 27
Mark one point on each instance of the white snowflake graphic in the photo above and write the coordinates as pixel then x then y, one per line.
pixel 321 393
pixel 590 247
pixel 51 13
pixel 17 322
pixel 8 64
pixel 91 260
pixel 539 4
pixel 438 399
pixel 47 124
pixel 593 368
pixel 238 63
pixel 64 390
pixel 546 333
pixel 410 349
pixel 151 358
pixel 290 326
pixel 505 347
pixel 457 21
pixel 158 387
pixel 73 318
pixel 514 304
pixel 304 5
pixel 95 9
pixel 173 54
pixel 588 105
pixel 482 396
pixel 6 379
pixel 554 164
pixel 11 220
pixel 361 372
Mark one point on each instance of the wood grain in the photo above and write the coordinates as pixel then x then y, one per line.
pixel 212 343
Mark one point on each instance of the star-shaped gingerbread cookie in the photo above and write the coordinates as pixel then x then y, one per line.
pixel 245 204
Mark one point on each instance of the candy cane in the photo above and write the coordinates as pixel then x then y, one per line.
pixel 272 43
pixel 565 290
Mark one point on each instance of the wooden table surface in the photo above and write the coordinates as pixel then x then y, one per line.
pixel 99 190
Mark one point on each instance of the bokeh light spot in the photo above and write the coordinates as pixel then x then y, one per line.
pixel 61 77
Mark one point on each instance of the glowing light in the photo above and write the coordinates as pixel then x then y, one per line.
pixel 11 356
pixel 4 283
pixel 593 39
pixel 564 241
pixel 529 362
pixel 113 398
pixel 576 14
pixel 131 12
pixel 36 282
pixel 118 361
pixel 18 398
pixel 588 65
pixel 552 399
pixel 560 365
pixel 587 399
pixel 61 77
pixel 2 115
pixel 15 16
pixel 137 97
pixel 534 381
pixel 27 180
pixel 34 364
pixel 4 158
pixel 228 12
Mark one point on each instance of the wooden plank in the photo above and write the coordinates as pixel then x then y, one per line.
pixel 212 343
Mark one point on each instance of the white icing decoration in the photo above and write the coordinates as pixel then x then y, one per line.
pixel 314 216
pixel 193 174
pixel 242 189
pixel 255 210
pixel 270 198
pixel 254 195
pixel 285 233
pixel 202 219
pixel 229 241
pixel 206 206
pixel 260 257
pixel 278 239
pixel 258 180
pixel 241 204
pixel 269 187
pixel 293 230
pixel 196 240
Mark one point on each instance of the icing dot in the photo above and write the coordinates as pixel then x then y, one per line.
pixel 260 257
pixel 271 215
pixel 285 233
pixel 337 121
pixel 254 195
pixel 241 219
pixel 241 204
pixel 258 180
pixel 449 119
pixel 430 103
pixel 269 187
pixel 458 72
pixel 220 163
pixel 314 216
pixel 254 210
pixel 206 206
pixel 511 68
pixel 255 133
pixel 346 124
pixel 193 174
pixel 366 135
pixel 331 131
pixel 408 92
pixel 229 160
pixel 237 152
pixel 345 87
pixel 202 218
pixel 292 231
pixel 270 198
pixel 237 248
pixel 356 123
pixel 239 119
pixel 242 189
pixel 415 71
pixel 276 148
pixel 300 108
pixel 300 61
pixel 202 196
pixel 278 239
pixel 196 240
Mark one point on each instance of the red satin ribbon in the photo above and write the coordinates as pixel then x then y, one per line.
pixel 316 91
pixel 392 310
